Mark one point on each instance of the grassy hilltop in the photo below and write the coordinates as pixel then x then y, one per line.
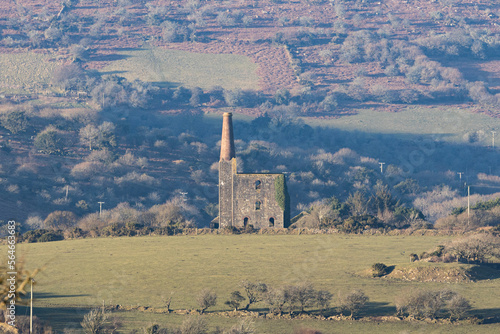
pixel 140 271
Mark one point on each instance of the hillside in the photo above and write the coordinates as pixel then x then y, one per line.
pixel 120 101
pixel 139 273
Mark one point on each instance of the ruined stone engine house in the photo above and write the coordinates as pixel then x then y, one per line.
pixel 260 200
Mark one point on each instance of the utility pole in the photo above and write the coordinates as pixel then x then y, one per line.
pixel 31 308
pixel 100 208
pixel 468 206
pixel 460 175
pixel 67 191
pixel 381 167
pixel 493 139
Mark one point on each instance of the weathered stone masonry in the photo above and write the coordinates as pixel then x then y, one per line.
pixel 248 199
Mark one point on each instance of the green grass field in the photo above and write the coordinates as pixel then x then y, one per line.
pixel 174 67
pixel 138 271
pixel 25 72
pixel 448 123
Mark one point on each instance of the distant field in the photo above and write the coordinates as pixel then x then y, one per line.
pixel 25 72
pixel 174 67
pixel 139 271
pixel 448 123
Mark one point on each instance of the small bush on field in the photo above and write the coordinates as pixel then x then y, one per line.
pixel 379 269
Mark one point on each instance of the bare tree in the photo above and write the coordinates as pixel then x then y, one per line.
pixel 89 135
pixel 353 301
pixel 245 326
pixel 235 300
pixel 206 298
pixel 276 298
pixel 60 220
pixel 323 299
pixel 254 291
pixel 420 303
pixel 194 325
pixel 304 295
pixel 475 248
pixel 458 306
pixel 94 321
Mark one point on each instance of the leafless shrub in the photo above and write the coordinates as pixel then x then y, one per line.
pixel 254 290
pixel 352 301
pixel 458 307
pixel 431 304
pixel 86 169
pixel 60 220
pixel 34 222
pixel 94 322
pixel 13 188
pixel 39 326
pixel 276 298
pixel 206 298
pixel 475 248
pixel 194 325
pixel 245 326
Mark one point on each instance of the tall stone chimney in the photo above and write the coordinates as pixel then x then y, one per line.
pixel 227 171
pixel 227 151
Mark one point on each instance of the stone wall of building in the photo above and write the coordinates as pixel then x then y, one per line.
pixel 245 199
pixel 227 171
pixel 254 198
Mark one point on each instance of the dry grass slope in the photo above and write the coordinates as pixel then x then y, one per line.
pixel 139 271
pixel 190 69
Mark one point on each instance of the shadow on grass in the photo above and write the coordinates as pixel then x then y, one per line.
pixel 43 295
pixel 111 57
pixel 167 84
pixel 389 269
pixel 113 72
pixel 489 315
pixel 371 309
pixel 58 317
pixel 377 309
pixel 485 271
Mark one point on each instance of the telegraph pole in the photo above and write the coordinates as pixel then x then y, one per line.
pixel 31 308
pixel 468 206
pixel 100 208
pixel 460 175
pixel 493 139
pixel 381 167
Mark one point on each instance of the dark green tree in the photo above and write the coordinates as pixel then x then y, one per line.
pixel 15 121
pixel 49 141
